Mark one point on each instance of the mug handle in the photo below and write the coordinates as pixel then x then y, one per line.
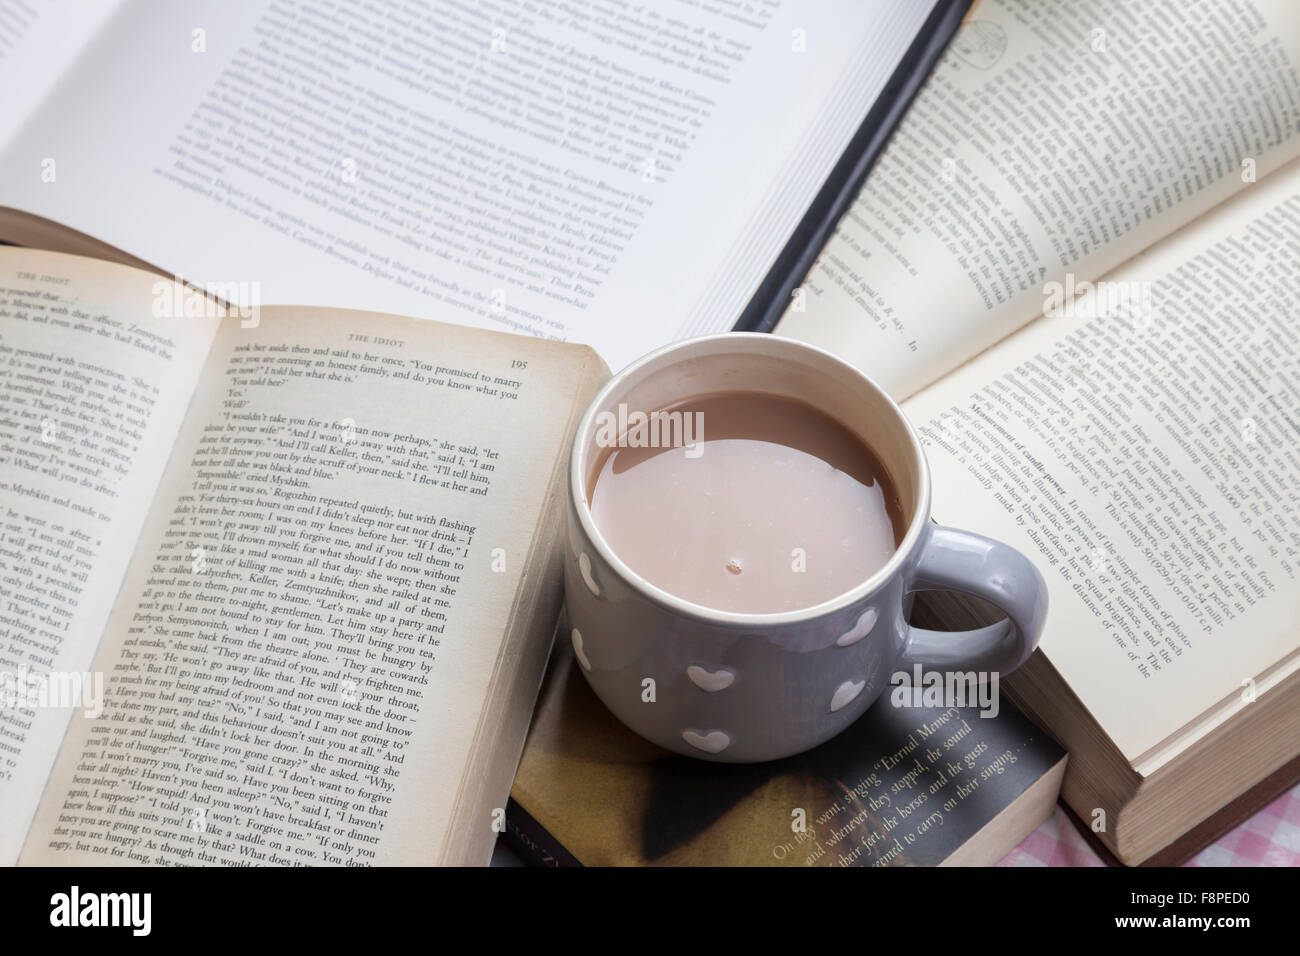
pixel 964 561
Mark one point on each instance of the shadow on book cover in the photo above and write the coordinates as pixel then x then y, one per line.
pixel 903 786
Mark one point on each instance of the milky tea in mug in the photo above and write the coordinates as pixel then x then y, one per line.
pixel 744 501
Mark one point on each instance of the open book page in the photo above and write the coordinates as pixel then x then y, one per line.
pixel 300 657
pixel 1148 460
pixel 94 390
pixel 1054 141
pixel 515 166
pixel 39 41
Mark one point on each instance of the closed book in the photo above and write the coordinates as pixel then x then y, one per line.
pixel 905 785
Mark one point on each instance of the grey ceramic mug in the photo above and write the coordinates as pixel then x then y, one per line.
pixel 741 687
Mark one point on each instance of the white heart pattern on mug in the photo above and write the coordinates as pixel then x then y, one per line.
pixel 866 621
pixel 772 682
pixel 715 741
pixel 711 681
pixel 584 568
pixel 578 652
pixel 845 693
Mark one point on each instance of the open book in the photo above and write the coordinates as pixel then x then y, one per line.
pixel 613 174
pixel 278 588
pixel 1078 262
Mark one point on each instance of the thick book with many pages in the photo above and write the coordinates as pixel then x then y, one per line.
pixel 1076 265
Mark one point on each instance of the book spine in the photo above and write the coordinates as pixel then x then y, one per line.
pixel 533 842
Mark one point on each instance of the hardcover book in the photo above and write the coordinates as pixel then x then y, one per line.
pixel 1080 281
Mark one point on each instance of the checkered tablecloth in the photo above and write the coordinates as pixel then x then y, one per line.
pixel 1269 838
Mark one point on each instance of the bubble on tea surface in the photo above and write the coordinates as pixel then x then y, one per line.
pixel 778 471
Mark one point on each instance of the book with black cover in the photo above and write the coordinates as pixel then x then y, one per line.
pixel 902 786
pixel 805 244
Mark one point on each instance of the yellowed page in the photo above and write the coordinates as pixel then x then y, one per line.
pixel 1149 461
pixel 93 387
pixel 1054 141
pixel 307 631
